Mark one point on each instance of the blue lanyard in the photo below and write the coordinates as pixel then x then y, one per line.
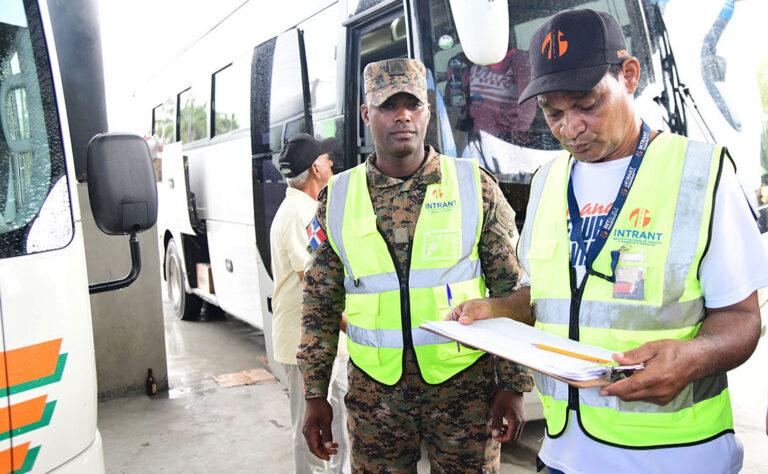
pixel 613 212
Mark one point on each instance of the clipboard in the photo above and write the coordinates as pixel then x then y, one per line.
pixel 520 343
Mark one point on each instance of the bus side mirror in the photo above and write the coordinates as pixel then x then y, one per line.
pixel 123 194
pixel 483 29
pixel 121 183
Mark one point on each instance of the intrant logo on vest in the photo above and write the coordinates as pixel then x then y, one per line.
pixel 633 230
pixel 636 233
pixel 437 204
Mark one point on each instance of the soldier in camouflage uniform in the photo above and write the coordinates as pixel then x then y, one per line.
pixel 461 419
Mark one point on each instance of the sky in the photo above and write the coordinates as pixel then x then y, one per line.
pixel 140 36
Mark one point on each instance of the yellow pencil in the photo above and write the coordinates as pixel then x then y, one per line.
pixel 573 354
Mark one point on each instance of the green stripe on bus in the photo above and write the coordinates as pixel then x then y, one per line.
pixel 23 387
pixel 44 421
pixel 29 461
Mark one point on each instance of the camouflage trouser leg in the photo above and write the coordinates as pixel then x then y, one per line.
pixel 388 423
pixel 458 432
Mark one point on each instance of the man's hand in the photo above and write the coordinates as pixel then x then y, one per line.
pixel 726 338
pixel 471 310
pixel 516 306
pixel 669 367
pixel 317 428
pixel 508 411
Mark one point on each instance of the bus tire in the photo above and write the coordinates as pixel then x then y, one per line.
pixel 185 306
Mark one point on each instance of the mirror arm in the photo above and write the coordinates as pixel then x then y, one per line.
pixel 132 275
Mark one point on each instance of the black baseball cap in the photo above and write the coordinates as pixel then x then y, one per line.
pixel 300 151
pixel 572 51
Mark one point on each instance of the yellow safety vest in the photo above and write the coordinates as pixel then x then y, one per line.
pixel 664 226
pixel 386 305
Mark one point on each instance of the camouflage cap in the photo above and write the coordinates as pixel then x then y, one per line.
pixel 383 79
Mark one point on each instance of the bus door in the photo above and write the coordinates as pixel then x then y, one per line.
pixel 280 108
pixel 382 34
pixel 47 371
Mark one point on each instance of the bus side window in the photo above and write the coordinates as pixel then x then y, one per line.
pixel 193 115
pixel 229 110
pixel 320 45
pixel 163 121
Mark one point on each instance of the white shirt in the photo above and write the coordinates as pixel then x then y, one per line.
pixel 736 264
pixel 288 245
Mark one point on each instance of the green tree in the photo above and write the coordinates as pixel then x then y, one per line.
pixel 193 121
pixel 225 122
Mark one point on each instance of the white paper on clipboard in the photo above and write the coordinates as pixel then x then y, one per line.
pixel 516 341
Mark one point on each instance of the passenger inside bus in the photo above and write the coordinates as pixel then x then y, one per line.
pixel 487 96
pixel 483 117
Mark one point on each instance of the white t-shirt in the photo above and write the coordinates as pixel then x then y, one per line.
pixel 735 265
pixel 288 245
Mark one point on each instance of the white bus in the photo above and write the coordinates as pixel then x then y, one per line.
pixel 47 371
pixel 220 112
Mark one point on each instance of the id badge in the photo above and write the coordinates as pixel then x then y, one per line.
pixel 630 276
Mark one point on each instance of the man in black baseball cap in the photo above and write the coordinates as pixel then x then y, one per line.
pixel 572 51
pixel 301 151
pixel 625 201
pixel 306 165
pixel 579 61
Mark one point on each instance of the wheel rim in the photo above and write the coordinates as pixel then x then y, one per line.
pixel 174 282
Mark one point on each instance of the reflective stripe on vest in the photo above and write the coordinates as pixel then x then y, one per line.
pixel 673 306
pixel 374 327
pixel 537 187
pixel 464 270
pixel 392 338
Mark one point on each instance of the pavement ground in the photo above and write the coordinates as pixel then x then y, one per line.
pixel 197 427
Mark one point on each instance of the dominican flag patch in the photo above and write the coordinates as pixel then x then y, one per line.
pixel 316 234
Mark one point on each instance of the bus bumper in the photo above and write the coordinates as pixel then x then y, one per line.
pixel 90 461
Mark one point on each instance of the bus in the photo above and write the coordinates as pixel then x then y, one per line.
pixel 218 114
pixel 50 71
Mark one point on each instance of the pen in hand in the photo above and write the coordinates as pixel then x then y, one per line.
pixel 453 316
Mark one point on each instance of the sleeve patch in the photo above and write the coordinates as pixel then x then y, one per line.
pixel 315 234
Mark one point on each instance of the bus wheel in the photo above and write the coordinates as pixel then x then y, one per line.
pixel 185 306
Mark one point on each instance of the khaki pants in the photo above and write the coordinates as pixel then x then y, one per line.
pixel 304 461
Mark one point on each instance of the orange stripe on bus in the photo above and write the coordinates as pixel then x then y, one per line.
pixel 19 455
pixel 29 363
pixel 22 414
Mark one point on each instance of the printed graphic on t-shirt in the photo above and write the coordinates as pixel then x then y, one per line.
pixel 630 279
pixel 592 217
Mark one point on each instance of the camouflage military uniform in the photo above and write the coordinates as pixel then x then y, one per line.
pixel 387 423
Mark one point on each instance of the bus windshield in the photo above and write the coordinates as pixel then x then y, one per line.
pixel 477 107
pixel 35 213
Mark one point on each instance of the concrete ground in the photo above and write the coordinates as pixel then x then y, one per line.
pixel 197 427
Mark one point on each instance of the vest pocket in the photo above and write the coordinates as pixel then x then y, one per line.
pixel 449 351
pixel 459 291
pixel 363 338
pixel 362 226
